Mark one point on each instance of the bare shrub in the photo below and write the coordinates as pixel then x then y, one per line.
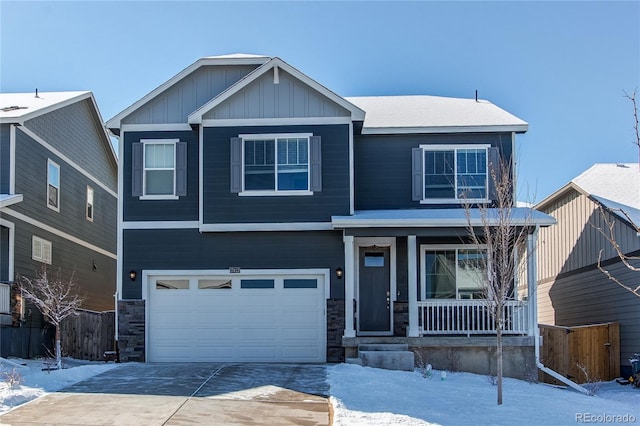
pixel 11 377
pixel 421 362
pixel 591 384
pixel 453 360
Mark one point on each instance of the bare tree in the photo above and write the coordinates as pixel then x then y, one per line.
pixel 55 297
pixel 499 230
pixel 609 231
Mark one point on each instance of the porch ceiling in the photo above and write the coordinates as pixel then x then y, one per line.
pixel 433 218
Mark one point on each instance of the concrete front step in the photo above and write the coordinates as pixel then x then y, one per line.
pixel 356 361
pixel 383 347
pixel 389 360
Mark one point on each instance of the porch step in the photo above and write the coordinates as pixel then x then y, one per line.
pixel 388 359
pixel 356 361
pixel 390 356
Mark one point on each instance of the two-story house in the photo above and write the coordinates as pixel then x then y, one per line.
pixel 58 206
pixel 263 217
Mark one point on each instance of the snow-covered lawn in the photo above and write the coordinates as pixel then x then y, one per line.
pixel 368 396
pixel 34 382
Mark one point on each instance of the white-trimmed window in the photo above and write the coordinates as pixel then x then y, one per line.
pixel 450 272
pixel 53 185
pixel 159 169
pixel 89 207
pixel 41 250
pixel 277 164
pixel 451 173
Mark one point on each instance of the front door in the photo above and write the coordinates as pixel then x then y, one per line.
pixel 374 291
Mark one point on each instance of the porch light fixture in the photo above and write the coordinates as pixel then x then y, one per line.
pixel 132 275
pixel 339 272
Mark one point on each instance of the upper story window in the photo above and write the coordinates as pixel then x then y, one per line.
pixel 53 185
pixel 287 164
pixel 89 206
pixel 159 169
pixel 445 173
pixel 41 250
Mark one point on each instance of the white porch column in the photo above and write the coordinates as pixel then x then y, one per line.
pixel 349 286
pixel 532 282
pixel 412 274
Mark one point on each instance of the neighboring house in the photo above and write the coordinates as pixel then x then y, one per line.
pixel 571 289
pixel 58 205
pixel 255 202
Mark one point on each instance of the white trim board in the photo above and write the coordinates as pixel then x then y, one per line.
pixel 12 243
pixel 272 226
pixel 287 121
pixel 67 160
pixel 442 129
pixel 163 127
pixel 57 232
pixel 164 224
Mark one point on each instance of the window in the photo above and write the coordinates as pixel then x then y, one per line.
pixel 287 164
pixel 257 284
pixel 453 273
pixel 53 185
pixel 300 283
pixel 451 173
pixel 159 169
pixel 89 207
pixel 213 284
pixel 172 284
pixel 41 250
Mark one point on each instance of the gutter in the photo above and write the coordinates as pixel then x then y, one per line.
pixel 532 241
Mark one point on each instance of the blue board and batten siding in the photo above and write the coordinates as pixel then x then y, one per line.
pixel 383 165
pixel 222 206
pixel 183 209
pixel 189 250
pixel 5 158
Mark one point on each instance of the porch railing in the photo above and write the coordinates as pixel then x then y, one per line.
pixel 5 291
pixel 470 317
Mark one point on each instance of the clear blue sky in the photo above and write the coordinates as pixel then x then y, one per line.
pixel 560 66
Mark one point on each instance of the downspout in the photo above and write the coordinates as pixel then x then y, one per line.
pixel 532 283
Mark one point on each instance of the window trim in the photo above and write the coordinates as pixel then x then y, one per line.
pixel 145 143
pixel 43 243
pixel 91 204
pixel 275 192
pixel 50 163
pixel 455 148
pixel 424 248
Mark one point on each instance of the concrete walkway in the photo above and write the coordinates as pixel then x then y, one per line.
pixel 187 394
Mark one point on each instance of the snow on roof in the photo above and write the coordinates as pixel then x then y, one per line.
pixel 433 114
pixel 422 218
pixel 615 186
pixel 9 199
pixel 21 106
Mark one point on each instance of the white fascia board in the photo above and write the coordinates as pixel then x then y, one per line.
pixel 167 224
pixel 161 127
pixel 520 128
pixel 230 122
pixel 11 199
pixel 107 139
pixel 342 223
pixel 196 116
pixel 274 226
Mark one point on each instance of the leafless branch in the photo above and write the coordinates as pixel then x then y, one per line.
pixel 632 98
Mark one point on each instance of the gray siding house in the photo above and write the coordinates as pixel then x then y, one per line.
pixel 263 217
pixel 571 289
pixel 58 204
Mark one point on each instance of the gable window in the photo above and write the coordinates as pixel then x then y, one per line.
pixel 287 164
pixel 445 173
pixel 41 250
pixel 53 185
pixel 159 169
pixel 453 273
pixel 89 207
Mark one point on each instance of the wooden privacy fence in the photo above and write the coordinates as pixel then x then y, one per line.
pixel 88 335
pixel 596 347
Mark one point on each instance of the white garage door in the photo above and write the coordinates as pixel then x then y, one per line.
pixel 250 318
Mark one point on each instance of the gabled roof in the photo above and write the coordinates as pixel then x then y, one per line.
pixel 19 107
pixel 195 117
pixel 232 59
pixel 434 114
pixel 614 186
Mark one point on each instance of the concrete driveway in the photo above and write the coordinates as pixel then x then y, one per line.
pixel 187 394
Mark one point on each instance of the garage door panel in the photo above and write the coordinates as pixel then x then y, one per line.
pixel 239 324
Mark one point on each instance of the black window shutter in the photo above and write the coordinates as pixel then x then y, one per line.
pixel 136 171
pixel 417 175
pixel 236 165
pixel 181 169
pixel 315 159
pixel 494 171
